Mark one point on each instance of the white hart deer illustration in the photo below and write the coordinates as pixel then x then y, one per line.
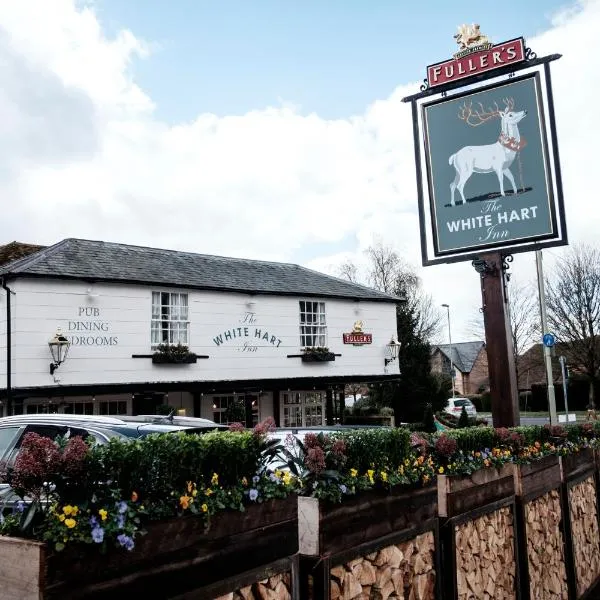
pixel 491 158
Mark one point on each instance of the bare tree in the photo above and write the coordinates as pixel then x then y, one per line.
pixel 524 317
pixel 388 272
pixel 573 304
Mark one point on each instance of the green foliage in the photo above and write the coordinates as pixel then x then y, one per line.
pixel 366 447
pixel 428 419
pixel 463 420
pixel 473 438
pixel 236 411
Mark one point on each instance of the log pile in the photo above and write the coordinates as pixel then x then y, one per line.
pixel 584 527
pixel 485 557
pixel 405 570
pixel 277 587
pixel 545 555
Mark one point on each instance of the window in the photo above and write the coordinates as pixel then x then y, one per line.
pixel 303 409
pixel 7 435
pixel 113 407
pixel 313 326
pixel 170 324
pixel 231 409
pixel 79 408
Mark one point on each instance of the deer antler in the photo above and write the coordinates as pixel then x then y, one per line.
pixel 509 103
pixel 466 113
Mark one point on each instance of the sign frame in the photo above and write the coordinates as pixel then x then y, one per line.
pixel 503 75
pixel 551 203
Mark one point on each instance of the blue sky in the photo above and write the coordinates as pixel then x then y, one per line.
pixel 332 57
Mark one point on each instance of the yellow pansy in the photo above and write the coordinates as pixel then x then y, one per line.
pixel 208 492
pixel 214 479
pixel 287 478
pixel 68 509
pixel 70 523
pixel 61 518
pixel 204 508
pixel 370 474
pixel 441 470
pixel 103 514
pixel 353 472
pixel 384 476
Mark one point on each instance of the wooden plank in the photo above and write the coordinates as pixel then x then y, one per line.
pixel 538 477
pixel 374 515
pixel 21 568
pixel 575 465
pixel 471 498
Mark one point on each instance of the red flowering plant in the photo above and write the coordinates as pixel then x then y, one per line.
pixel 316 462
pixel 44 470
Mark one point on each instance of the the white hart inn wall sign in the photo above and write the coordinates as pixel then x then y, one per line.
pixel 487 162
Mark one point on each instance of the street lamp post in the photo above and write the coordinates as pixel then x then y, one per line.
pixel 447 307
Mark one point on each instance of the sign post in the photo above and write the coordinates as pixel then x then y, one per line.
pixel 488 179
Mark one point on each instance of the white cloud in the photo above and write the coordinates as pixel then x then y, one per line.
pixel 82 155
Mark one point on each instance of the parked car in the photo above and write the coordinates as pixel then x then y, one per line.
pixel 100 428
pixel 455 406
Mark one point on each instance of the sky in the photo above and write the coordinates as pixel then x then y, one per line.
pixel 263 129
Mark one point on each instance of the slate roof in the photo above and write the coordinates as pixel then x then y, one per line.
pixel 464 354
pixel 110 262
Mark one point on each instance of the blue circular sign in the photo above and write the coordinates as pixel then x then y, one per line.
pixel 549 340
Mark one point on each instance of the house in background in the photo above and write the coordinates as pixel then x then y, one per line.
pixel 469 363
pixel 247 324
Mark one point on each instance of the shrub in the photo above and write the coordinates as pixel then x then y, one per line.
pixel 428 419
pixel 463 420
pixel 375 446
pixel 474 438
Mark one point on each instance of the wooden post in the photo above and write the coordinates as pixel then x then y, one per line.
pixel 329 406
pixel 498 339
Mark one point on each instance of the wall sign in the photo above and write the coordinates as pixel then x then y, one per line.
pixel 357 337
pixel 248 335
pixel 89 329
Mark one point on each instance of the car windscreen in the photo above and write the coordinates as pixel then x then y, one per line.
pixel 462 402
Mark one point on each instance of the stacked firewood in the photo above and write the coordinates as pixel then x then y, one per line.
pixel 277 587
pixel 545 555
pixel 404 570
pixel 485 557
pixel 584 527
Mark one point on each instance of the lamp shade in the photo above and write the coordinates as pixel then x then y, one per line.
pixel 59 347
pixel 392 348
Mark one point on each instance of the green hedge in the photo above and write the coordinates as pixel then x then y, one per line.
pixel 375 446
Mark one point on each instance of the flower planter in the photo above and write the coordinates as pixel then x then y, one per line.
pixel 318 357
pixel 373 541
pixel 166 359
pixel 179 555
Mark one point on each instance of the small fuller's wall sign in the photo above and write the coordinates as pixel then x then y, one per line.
pixel 357 337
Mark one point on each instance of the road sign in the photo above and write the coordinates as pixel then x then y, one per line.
pixel 549 340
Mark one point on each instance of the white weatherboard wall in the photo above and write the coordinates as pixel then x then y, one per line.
pixel 122 315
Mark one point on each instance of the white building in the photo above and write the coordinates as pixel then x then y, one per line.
pixel 247 323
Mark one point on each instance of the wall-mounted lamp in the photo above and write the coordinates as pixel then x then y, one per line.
pixel 391 349
pixel 251 303
pixel 59 348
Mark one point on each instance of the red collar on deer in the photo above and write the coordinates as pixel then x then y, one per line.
pixel 511 143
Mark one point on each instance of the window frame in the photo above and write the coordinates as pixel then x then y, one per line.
pixel 171 320
pixel 312 316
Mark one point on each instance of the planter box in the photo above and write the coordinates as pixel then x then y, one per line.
pixel 459 494
pixel 538 477
pixel 178 555
pixel 165 359
pixel 374 543
pixel 318 357
pixel 578 464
